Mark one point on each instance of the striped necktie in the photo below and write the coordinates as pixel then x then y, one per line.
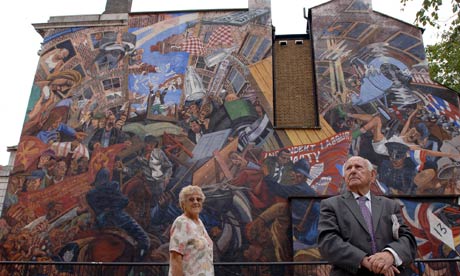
pixel 368 218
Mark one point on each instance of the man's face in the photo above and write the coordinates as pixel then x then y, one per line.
pixel 397 163
pixel 43 160
pixel 34 184
pixel 195 127
pixel 193 108
pixel 56 123
pixel 60 168
pixel 296 178
pixel 119 124
pixel 413 135
pixel 83 163
pixel 61 86
pixel 111 118
pixel 101 123
pixel 94 122
pixel 357 175
pixel 283 158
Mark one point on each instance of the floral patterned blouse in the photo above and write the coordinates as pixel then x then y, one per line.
pixel 193 242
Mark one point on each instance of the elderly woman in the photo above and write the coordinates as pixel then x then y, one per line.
pixel 190 247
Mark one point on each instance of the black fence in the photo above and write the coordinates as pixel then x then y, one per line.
pixel 437 267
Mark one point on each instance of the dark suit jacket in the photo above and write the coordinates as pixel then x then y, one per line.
pixel 344 240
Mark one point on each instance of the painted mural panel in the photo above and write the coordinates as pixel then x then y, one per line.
pixel 373 80
pixel 121 118
pixel 434 223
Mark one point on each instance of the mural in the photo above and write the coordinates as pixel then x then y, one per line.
pixel 373 81
pixel 120 118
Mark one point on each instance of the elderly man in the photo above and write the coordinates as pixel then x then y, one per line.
pixel 363 234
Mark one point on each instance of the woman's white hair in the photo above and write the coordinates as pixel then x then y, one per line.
pixel 190 190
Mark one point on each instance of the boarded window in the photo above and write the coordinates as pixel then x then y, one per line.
pixel 295 104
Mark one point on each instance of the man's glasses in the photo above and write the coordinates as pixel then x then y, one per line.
pixel 197 199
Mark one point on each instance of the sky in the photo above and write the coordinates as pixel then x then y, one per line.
pixel 18 52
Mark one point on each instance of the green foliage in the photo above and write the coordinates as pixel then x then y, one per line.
pixel 444 61
pixel 444 56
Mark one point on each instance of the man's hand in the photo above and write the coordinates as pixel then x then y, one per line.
pixel 382 263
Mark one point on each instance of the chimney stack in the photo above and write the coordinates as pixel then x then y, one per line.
pixel 118 6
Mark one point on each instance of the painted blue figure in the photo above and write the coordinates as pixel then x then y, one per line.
pixel 304 213
pixel 108 204
pixel 399 171
pixel 429 142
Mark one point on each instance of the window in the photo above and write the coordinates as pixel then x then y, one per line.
pixel 294 90
pixel 249 45
pixel 109 84
pixel 237 80
pixel 261 50
pixel 200 63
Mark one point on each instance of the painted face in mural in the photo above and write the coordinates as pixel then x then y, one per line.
pixel 195 126
pixel 111 118
pixel 296 178
pixel 61 86
pixel 60 169
pixel 193 109
pixel 413 135
pixel 102 123
pixel 119 124
pixel 43 160
pixel 283 158
pixel 63 53
pixel 357 175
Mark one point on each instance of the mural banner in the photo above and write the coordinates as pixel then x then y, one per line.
pixel 325 158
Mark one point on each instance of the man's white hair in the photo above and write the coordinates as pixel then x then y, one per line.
pixel 369 165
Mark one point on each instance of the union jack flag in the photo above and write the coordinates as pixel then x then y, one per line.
pixel 442 107
pixel 417 217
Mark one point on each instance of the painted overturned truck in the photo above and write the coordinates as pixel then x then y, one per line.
pixel 122 116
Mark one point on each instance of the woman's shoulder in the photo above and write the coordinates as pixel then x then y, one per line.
pixel 180 218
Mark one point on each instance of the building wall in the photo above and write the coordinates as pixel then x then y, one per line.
pixel 157 78
pixel 373 82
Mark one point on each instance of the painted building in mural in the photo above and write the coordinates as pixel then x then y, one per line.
pixel 165 100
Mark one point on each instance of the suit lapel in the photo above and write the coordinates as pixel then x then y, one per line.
pixel 376 210
pixel 351 203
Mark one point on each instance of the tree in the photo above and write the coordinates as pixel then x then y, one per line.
pixel 444 56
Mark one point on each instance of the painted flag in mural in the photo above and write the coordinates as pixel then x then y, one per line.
pixel 443 108
pixel 430 231
pixel 419 157
pixel 325 158
pixel 222 36
pixel 193 46
pixel 29 150
pixel 66 194
pixel 440 230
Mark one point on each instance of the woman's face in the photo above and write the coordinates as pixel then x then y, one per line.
pixel 193 204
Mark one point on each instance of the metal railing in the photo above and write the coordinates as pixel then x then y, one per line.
pixel 435 267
